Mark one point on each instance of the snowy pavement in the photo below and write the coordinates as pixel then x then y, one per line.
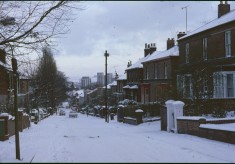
pixel 91 139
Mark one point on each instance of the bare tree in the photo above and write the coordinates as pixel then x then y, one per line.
pixel 27 26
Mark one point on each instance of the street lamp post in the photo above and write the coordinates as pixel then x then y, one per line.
pixel 106 103
pixel 17 143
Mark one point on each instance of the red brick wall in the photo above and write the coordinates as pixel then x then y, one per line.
pixel 216 46
pixel 23 124
pixel 3 81
pixel 188 126
pixel 218 135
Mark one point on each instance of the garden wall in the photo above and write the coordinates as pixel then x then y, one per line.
pixel 199 126
pixel 9 125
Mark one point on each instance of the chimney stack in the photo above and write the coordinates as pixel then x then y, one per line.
pixel 180 34
pixel 152 48
pixel 170 43
pixel 129 64
pixel 149 49
pixel 3 56
pixel 223 8
pixel 146 50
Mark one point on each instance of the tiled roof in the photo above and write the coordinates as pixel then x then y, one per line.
pixel 229 17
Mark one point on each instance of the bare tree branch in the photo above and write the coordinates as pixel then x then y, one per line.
pixel 33 24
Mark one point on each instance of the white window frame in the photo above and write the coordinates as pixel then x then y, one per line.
pixel 182 86
pixel 146 73
pixel 227 43
pixel 230 87
pixel 155 71
pixel 165 70
pixel 205 85
pixel 189 85
pixel 220 84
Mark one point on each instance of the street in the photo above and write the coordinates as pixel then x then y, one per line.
pixel 91 139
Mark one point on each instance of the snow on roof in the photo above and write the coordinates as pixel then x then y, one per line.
pixel 91 91
pixel 134 87
pixel 122 77
pixel 80 93
pixel 108 86
pixel 229 17
pixel 174 51
pixel 138 64
pixel 139 110
pixel 114 83
pixel 127 86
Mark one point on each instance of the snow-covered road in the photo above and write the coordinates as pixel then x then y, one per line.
pixel 91 139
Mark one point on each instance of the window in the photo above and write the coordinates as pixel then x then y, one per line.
pixel 204 48
pixel 228 43
pixel 165 70
pixel 224 84
pixel 187 53
pixel 187 86
pixel 230 85
pixel 184 85
pixel 218 85
pixel 146 73
pixel 205 85
pixel 155 70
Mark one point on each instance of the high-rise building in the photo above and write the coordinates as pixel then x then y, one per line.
pixel 109 78
pixel 85 82
pixel 100 79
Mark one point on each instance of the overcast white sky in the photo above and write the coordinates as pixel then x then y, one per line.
pixel 122 28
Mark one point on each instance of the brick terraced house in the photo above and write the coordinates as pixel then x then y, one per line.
pixel 135 74
pixel 159 77
pixel 207 61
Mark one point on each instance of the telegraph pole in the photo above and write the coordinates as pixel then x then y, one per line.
pixel 186 16
pixel 106 99
pixel 17 143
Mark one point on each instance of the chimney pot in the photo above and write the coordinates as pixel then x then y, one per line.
pixel 223 8
pixel 170 43
pixel 180 34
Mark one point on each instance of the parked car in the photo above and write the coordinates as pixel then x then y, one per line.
pixel 34 116
pixel 73 114
pixel 62 112
pixel 45 113
pixel 41 116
